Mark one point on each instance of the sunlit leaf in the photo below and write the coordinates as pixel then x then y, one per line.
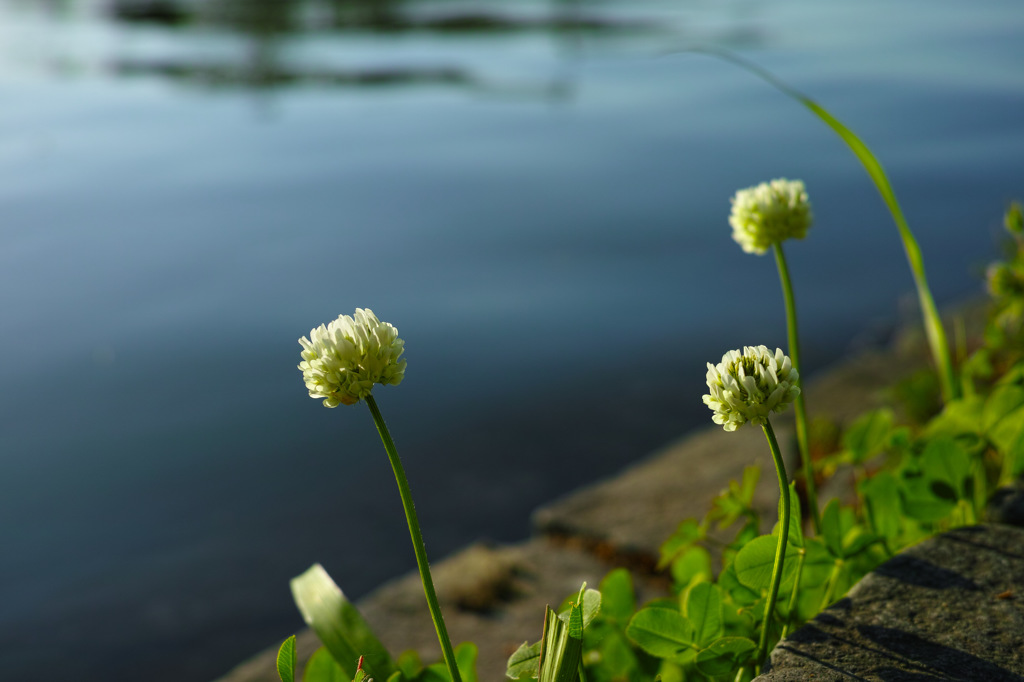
pixel 524 664
pixel 957 417
pixel 286 660
pixel 686 534
pixel 881 495
pixel 465 660
pixel 409 663
pixel 436 672
pixel 339 625
pixel 694 562
pixel 945 462
pixel 321 667
pixel 920 501
pixel 755 561
pixel 664 633
pixel 869 434
pixel 618 600
pixel 617 657
pixel 740 593
pixel 704 611
pixel 725 656
pixel 818 564
pixel 831 532
pixel 1004 401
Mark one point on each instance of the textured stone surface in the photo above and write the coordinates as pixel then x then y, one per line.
pixel 950 608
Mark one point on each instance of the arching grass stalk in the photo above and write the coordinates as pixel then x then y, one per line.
pixel 341 363
pixel 780 551
pixel 799 406
pixel 417 540
pixel 934 331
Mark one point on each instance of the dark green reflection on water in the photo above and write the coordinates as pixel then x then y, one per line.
pixel 261 17
pixel 267 23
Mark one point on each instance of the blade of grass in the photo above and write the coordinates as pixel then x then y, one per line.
pixel 338 624
pixel 934 330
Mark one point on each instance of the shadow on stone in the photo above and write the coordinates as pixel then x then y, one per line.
pixel 846 674
pixel 955 536
pixel 810 634
pixel 915 571
pixel 946 662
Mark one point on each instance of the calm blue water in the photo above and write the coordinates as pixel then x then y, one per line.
pixel 541 212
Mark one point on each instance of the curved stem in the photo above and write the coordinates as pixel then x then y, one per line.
pixel 417 540
pixel 934 331
pixel 780 551
pixel 799 406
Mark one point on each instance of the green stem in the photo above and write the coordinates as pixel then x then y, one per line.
pixel 780 551
pixel 799 406
pixel 830 586
pixel 417 540
pixel 932 322
pixel 790 616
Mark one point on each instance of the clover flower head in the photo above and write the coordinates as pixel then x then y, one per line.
pixel 341 361
pixel 769 214
pixel 750 385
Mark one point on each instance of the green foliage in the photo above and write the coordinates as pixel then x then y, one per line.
pixel 661 632
pixel 913 480
pixel 524 664
pixel 321 667
pixel 286 660
pixel 339 625
pixel 558 656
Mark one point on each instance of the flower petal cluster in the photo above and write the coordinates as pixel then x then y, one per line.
pixel 769 214
pixel 750 385
pixel 344 359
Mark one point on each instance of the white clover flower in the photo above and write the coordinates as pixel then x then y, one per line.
pixel 769 214
pixel 749 386
pixel 343 360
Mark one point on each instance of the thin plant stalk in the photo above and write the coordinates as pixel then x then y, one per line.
pixel 791 615
pixel 830 586
pixel 799 405
pixel 780 551
pixel 417 540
